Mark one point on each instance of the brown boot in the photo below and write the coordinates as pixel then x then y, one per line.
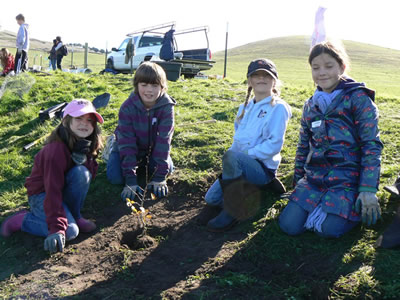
pixel 276 186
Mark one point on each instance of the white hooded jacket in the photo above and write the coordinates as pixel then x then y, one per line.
pixel 23 37
pixel 261 132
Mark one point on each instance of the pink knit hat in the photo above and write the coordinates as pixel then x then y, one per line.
pixel 80 107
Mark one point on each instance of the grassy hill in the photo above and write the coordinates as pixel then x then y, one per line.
pixel 376 66
pixel 39 52
pixel 255 260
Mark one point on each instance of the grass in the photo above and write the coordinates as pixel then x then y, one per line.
pixel 302 267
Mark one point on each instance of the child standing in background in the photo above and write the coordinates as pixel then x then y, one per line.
pixel 60 179
pixel 21 58
pixel 144 134
pixel 338 156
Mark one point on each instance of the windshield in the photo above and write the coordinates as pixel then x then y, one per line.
pixel 123 45
pixel 147 41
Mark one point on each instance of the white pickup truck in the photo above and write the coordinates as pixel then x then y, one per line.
pixel 147 44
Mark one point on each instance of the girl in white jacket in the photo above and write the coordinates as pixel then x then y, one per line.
pixel 259 135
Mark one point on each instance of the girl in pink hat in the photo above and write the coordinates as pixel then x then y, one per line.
pixel 60 179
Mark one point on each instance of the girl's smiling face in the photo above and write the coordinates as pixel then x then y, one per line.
pixel 326 72
pixel 261 82
pixel 83 126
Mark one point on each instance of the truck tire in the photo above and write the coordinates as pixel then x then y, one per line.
pixel 110 64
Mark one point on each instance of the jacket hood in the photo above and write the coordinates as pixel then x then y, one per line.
pixel 347 84
pixel 164 99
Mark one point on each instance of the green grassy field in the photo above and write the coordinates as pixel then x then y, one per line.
pixel 347 268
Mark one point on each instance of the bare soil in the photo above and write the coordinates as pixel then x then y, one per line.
pixel 116 262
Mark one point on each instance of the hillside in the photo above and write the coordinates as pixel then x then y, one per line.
pixel 377 66
pixel 7 39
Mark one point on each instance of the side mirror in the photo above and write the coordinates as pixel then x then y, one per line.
pixel 114 49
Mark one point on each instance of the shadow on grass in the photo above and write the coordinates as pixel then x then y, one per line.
pixel 273 265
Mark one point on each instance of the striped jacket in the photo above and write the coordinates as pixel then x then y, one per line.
pixel 142 133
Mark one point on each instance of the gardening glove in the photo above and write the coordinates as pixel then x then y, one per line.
pixel 80 150
pixel 51 242
pixel 367 203
pixel 130 192
pixel 160 189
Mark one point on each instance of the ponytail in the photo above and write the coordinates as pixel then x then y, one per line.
pixel 249 89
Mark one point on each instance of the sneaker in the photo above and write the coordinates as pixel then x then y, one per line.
pixel 12 223
pixel 85 225
pixel 221 223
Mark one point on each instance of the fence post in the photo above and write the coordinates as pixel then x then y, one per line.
pixel 72 57
pixel 41 61
pixel 85 64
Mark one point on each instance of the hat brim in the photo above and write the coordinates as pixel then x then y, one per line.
pixel 82 112
pixel 261 69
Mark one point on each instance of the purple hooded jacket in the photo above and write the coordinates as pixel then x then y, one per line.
pixel 143 132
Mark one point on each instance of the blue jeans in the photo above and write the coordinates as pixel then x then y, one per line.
pixel 114 171
pixel 294 217
pixel 76 186
pixel 53 62
pixel 236 164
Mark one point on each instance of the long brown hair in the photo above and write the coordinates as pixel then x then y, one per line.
pixel 4 57
pixel 63 133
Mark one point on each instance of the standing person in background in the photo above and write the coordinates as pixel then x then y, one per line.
pixel 21 58
pixel 7 61
pixel 53 56
pixel 59 52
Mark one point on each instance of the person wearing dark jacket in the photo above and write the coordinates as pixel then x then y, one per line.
pixel 60 179
pixel 59 52
pixel 53 56
pixel 144 134
pixel 338 157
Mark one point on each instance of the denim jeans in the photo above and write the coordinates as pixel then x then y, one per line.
pixel 293 219
pixel 236 164
pixel 114 171
pixel 77 182
pixel 53 63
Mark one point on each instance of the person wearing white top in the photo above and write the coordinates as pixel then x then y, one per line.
pixel 254 156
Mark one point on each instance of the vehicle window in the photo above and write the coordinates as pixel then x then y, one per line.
pixel 123 45
pixel 148 41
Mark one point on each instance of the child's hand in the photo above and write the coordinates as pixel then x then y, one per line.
pixel 51 242
pixel 130 192
pixel 367 203
pixel 160 189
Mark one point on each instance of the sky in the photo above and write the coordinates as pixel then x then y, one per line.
pixel 105 23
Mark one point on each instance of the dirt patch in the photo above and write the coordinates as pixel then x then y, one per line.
pixel 117 262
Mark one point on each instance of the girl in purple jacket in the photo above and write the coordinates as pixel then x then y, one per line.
pixel 144 133
pixel 338 156
pixel 60 179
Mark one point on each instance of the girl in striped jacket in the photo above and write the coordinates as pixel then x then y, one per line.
pixel 144 133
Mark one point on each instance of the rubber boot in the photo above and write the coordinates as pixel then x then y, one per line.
pixel 13 223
